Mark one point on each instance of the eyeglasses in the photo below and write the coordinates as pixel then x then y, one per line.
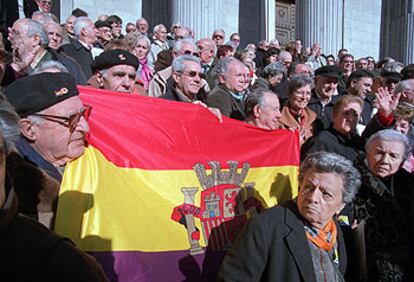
pixel 177 26
pixel 72 121
pixel 188 52
pixel 218 36
pixel 191 74
pixel 302 94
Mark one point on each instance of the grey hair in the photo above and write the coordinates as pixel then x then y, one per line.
pixel 51 64
pixel 298 81
pixel 9 123
pixel 274 41
pixel 157 27
pixel 333 163
pixel 36 28
pixel 401 86
pixel 219 30
pixel 42 17
pixel 393 66
pixel 179 44
pixel 79 24
pixel 390 135
pixel 223 65
pixel 132 39
pixel 284 54
pixel 274 69
pixel 178 63
pixel 256 97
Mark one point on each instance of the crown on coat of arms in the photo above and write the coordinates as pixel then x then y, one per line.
pixel 218 176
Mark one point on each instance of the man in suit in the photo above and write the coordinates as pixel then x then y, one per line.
pixel 300 239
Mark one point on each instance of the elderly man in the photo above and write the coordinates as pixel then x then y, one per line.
pixel 142 26
pixel 347 65
pixel 44 6
pixel 285 58
pixel 208 50
pixel 115 70
pixel 29 41
pixel 159 44
pixel 274 79
pixel 298 69
pixel 54 33
pixel 116 26
pixel 324 95
pixel 53 127
pixel 103 33
pixel 263 109
pixel 299 240
pixel 161 80
pixel 228 96
pixel 81 48
pixel 262 47
pixel 316 60
pixel 130 27
pixel 362 63
pixel 218 37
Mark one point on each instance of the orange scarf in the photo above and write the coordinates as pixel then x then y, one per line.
pixel 324 239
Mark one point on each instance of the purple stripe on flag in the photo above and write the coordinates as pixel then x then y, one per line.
pixel 160 266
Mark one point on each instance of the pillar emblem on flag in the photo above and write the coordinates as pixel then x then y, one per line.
pixel 224 202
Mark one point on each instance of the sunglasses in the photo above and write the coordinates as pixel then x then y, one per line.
pixel 188 52
pixel 192 74
pixel 218 37
pixel 70 122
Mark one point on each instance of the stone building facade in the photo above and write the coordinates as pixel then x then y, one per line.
pixel 365 27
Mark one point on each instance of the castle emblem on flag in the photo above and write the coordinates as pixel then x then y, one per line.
pixel 225 200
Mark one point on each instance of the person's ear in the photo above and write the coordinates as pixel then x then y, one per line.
pixel 256 111
pixel 99 79
pixel 28 129
pixel 176 76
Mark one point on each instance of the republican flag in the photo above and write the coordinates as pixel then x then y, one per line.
pixel 164 188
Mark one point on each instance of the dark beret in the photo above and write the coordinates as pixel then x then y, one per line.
pixel 100 23
pixel 115 57
pixel 34 93
pixel 392 75
pixel 329 71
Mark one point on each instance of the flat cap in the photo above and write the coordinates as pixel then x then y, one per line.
pixel 115 57
pixel 100 23
pixel 329 71
pixel 34 93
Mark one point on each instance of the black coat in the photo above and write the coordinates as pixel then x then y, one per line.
pixel 30 252
pixel 332 141
pixel 274 247
pixel 172 95
pixel 324 113
pixel 81 55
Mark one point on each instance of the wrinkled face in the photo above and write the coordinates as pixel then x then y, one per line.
pixel 21 43
pixel 218 38
pixel 188 49
pixel 130 28
pixel 54 141
pixel 268 114
pixel 302 69
pixel 236 39
pixel 44 5
pixel 362 86
pixel 120 78
pixel 320 197
pixel 54 33
pixel 104 34
pixel 347 64
pixel 90 33
pixel 207 52
pixel 237 77
pixel 275 80
pixel 116 29
pixel 326 86
pixel 299 99
pixel 402 125
pixel 141 49
pixel 408 93
pixel 385 157
pixel 189 81
pixel 161 34
pixel 286 61
pixel 142 26
pixel 69 24
pixel 362 64
pixel 346 120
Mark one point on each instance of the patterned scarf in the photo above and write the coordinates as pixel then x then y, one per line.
pixel 146 72
pixel 324 239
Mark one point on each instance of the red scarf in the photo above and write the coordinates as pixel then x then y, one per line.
pixel 324 239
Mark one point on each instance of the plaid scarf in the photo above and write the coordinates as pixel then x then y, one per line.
pixel 324 239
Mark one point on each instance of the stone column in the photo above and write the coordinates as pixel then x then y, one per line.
pixel 66 8
pixel 320 21
pixel 397 29
pixel 204 16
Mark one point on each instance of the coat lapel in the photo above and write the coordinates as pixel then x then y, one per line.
pixel 299 246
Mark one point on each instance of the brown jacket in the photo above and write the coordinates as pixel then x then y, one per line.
pixel 288 121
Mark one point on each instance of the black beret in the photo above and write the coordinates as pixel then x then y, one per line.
pixel 34 93
pixel 329 71
pixel 100 23
pixel 392 75
pixel 115 57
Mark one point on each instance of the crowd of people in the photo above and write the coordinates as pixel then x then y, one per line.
pixel 354 212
